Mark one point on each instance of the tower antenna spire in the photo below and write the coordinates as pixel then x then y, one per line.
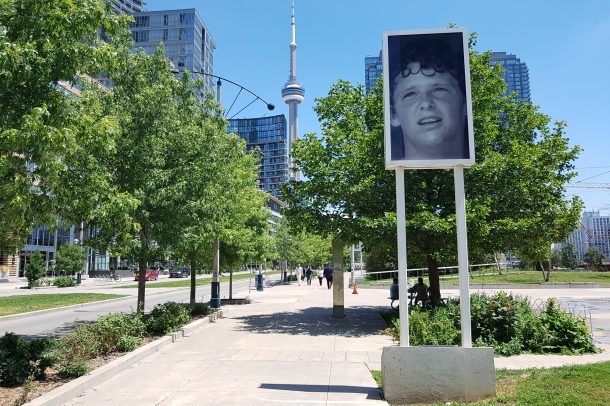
pixel 293 94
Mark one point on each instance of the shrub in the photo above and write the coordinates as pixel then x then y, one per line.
pixel 200 309
pixel 64 282
pixel 81 343
pixel 21 359
pixel 433 327
pixel 118 331
pixel 128 343
pixel 504 322
pixel 70 258
pixel 165 318
pixel 73 368
pixel 495 319
pixel 111 333
pixel 563 332
pixel 35 269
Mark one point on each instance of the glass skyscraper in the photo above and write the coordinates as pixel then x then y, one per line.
pixel 516 74
pixel 373 69
pixel 268 134
pixel 187 42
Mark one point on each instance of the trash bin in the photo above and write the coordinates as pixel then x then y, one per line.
pixel 259 281
pixel 78 278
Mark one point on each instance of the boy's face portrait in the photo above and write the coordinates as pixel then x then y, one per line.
pixel 430 109
pixel 427 100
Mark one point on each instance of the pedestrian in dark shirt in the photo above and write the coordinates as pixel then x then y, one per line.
pixel 308 273
pixel 328 274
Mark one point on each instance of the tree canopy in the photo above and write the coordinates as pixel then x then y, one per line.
pixel 515 193
pixel 42 43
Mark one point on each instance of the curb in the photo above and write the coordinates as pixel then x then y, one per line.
pixel 72 389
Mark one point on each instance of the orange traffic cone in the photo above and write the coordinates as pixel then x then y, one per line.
pixel 355 291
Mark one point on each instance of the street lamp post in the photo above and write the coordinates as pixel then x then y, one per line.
pixel 215 286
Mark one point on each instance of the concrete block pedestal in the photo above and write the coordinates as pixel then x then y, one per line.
pixel 430 374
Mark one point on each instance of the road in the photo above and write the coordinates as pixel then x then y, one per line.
pixel 58 322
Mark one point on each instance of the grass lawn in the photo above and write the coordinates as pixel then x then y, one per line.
pixel 535 277
pixel 518 277
pixel 573 385
pixel 184 283
pixel 28 303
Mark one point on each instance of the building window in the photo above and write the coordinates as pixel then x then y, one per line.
pixel 139 36
pixel 142 21
pixel 165 34
pixel 165 20
pixel 186 19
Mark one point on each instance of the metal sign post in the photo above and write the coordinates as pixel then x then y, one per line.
pixel 462 244
pixel 401 232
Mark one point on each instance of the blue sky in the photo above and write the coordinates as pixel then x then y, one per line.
pixel 565 44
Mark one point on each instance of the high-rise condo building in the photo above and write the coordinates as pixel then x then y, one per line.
pixel 516 74
pixel 187 41
pixel 268 134
pixel 594 231
pixel 127 6
pixel 373 69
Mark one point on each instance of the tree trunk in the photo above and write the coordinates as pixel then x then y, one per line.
pixel 142 263
pixel 141 285
pixel 231 284
pixel 193 299
pixel 434 280
pixel 497 263
pixel 545 275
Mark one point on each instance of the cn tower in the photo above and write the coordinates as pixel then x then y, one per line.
pixel 293 94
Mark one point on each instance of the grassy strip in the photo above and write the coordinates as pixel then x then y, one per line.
pixel 534 277
pixel 570 385
pixel 28 303
pixel 518 277
pixel 185 283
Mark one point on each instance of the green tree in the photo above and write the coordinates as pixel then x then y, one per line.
pixel 594 258
pixel 309 249
pixel 70 259
pixel 568 256
pixel 283 245
pixel 35 269
pixel 137 216
pixel 42 43
pixel 515 195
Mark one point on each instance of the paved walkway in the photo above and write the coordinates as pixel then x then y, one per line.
pixel 284 348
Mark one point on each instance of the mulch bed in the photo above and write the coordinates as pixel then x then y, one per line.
pixel 22 394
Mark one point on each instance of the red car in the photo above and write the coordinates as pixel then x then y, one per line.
pixel 151 275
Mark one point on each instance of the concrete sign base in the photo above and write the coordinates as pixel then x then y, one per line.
pixel 430 374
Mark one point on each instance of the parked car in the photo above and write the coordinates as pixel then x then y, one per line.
pixel 151 275
pixel 179 273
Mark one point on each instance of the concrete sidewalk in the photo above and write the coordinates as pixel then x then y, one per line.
pixel 283 348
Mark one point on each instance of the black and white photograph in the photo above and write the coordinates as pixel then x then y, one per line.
pixel 428 119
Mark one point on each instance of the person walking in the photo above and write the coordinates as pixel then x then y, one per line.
pixel 308 273
pixel 328 274
pixel 320 275
pixel 299 272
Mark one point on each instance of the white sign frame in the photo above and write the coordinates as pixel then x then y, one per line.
pixel 390 163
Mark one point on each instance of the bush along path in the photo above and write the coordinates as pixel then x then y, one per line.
pixel 29 368
pixel 502 321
